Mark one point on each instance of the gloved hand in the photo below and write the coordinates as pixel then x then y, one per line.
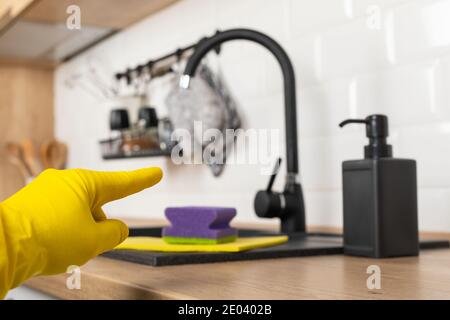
pixel 57 221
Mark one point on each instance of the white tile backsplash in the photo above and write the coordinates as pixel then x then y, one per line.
pixel 433 206
pixel 324 208
pixel 305 55
pixel 420 30
pixel 371 8
pixel 270 17
pixel 314 16
pixel 430 146
pixel 322 107
pixel 352 58
pixel 406 94
pixel 352 48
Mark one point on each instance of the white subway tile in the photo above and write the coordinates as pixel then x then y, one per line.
pixel 265 112
pixel 268 16
pixel 351 49
pixel 372 8
pixel 405 94
pixel 420 30
pixel 244 72
pixel 185 17
pixel 321 108
pixel 321 159
pixel 434 207
pixel 323 208
pixel 441 83
pixel 429 145
pixel 304 53
pixel 309 17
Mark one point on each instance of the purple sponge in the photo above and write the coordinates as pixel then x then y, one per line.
pixel 200 223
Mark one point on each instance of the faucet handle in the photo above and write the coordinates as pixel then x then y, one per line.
pixel 276 168
pixel 269 204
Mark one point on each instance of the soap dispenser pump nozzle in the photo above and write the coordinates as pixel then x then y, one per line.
pixel 377 130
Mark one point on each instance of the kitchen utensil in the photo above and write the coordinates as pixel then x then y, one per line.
pixel 138 140
pixel 111 148
pixel 58 155
pixel 53 154
pixel 148 117
pixel 30 157
pixel 15 156
pixel 43 153
pixel 165 130
pixel 119 119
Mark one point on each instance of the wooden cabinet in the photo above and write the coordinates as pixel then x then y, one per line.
pixel 26 111
pixel 37 30
pixel 113 14
pixel 14 7
pixel 10 9
pixel 30 33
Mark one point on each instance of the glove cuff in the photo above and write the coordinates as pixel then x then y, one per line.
pixel 20 255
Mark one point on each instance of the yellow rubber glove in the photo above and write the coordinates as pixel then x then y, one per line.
pixel 57 221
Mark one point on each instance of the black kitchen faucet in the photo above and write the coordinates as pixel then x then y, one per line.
pixel 287 205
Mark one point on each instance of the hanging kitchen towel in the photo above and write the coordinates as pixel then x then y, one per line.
pixel 208 101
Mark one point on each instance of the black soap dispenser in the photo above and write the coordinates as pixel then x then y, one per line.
pixel 380 198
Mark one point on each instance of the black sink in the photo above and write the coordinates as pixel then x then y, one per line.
pixel 299 245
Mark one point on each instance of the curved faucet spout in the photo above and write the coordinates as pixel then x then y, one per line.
pixel 288 205
pixel 210 43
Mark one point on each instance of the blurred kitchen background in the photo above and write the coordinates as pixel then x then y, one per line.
pixel 352 58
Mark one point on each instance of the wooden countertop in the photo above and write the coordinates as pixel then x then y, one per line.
pixel 323 277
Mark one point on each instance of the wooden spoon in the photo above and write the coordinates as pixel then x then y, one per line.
pixel 59 155
pixel 29 156
pixel 15 157
pixel 54 154
pixel 43 153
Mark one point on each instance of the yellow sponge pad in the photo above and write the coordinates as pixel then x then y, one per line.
pixel 241 244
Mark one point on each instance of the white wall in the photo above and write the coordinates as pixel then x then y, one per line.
pixel 345 66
